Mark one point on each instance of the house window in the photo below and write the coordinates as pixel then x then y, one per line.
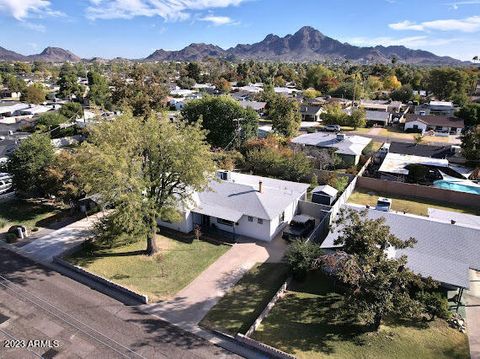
pixel 250 219
pixel 259 221
pixel 282 217
pixel 224 222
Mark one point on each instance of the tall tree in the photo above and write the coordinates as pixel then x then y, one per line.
pixel 144 169
pixel 227 122
pixel 29 163
pixel 377 284
pixel 68 82
pixel 99 91
pixel 471 145
pixel 285 116
pixel 34 94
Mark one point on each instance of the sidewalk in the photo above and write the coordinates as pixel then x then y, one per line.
pixel 472 308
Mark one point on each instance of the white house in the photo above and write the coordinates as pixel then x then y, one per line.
pixel 245 205
pixel 447 124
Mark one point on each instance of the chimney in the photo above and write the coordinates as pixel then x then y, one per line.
pixel 260 186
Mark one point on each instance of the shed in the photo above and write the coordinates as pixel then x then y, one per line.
pixel 324 195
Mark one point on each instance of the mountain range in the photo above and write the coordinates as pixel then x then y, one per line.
pixel 306 45
pixel 50 54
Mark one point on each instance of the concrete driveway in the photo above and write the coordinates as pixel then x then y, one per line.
pixel 193 302
pixel 55 243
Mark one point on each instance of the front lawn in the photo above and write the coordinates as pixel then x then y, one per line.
pixel 239 308
pixel 407 204
pixel 305 324
pixel 29 213
pixel 161 276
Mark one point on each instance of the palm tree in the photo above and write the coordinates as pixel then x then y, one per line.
pixel 475 59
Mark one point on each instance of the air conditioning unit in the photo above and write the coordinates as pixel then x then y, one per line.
pixel 341 137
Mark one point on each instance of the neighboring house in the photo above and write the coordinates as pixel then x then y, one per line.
pixel 348 148
pixel 421 150
pixel 310 112
pixel 443 124
pixel 257 106
pixel 8 109
pixel 245 205
pixel 32 110
pixel 441 108
pixel 443 251
pixel 394 165
pixel 378 118
pixel 178 103
pixel 13 95
pixel 381 106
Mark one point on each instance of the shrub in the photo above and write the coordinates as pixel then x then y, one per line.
pixel 3 223
pixel 300 257
pixel 10 237
pixel 436 305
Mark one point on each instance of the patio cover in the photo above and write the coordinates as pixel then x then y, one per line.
pixel 219 212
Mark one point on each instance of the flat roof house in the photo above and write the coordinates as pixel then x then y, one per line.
pixel 443 251
pixel 348 148
pixel 440 123
pixel 245 205
pixel 378 117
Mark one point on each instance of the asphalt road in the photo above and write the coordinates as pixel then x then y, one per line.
pixel 44 314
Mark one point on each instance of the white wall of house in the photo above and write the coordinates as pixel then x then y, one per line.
pixel 184 226
pixel 416 124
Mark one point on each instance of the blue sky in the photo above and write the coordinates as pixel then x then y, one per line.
pixel 135 28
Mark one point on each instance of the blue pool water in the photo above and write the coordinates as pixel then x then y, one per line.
pixel 456 186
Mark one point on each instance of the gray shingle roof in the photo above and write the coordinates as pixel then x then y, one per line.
pixel 443 251
pixel 241 195
pixel 351 145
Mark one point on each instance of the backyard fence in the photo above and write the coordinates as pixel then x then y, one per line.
pixel 419 191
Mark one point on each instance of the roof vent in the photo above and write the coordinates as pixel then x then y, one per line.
pixel 224 175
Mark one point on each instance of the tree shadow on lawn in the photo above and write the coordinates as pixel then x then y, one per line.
pixel 22 210
pixel 311 323
pixel 61 219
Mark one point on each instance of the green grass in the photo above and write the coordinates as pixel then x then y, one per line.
pixel 407 204
pixel 239 308
pixel 160 276
pixel 25 212
pixel 306 323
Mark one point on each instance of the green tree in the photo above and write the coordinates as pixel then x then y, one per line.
pixel 194 71
pixel 334 115
pixel 403 94
pixel 301 257
pixel 471 145
pixel 145 170
pixel 470 113
pixel 68 82
pixel 357 118
pixel 227 123
pixel 99 91
pixel 14 83
pixel 285 116
pixel 445 83
pixel 29 163
pixel 376 285
pixel 34 94
pixel 320 78
pixel 71 110
pixel 49 120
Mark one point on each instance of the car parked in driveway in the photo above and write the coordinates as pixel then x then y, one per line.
pixel 300 227
pixel 332 128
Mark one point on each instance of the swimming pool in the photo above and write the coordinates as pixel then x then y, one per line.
pixel 457 186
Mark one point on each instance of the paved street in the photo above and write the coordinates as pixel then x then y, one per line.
pixel 39 304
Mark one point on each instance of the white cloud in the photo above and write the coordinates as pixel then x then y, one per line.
pixel 171 10
pixel 470 24
pixel 457 4
pixel 34 27
pixel 21 9
pixel 218 20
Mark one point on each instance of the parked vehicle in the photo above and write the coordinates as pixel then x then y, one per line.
pixel 384 204
pixel 300 227
pixel 5 182
pixel 332 128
